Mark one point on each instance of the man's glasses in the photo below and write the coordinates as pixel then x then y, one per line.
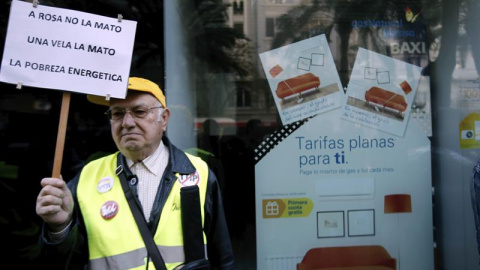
pixel 137 112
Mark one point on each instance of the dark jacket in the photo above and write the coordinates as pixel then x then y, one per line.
pixel 475 197
pixel 72 253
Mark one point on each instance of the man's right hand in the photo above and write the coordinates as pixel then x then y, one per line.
pixel 55 203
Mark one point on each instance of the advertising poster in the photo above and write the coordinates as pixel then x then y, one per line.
pixel 405 38
pixel 352 185
pixel 335 187
pixel 381 91
pixel 303 79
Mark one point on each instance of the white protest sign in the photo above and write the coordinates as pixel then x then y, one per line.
pixel 63 49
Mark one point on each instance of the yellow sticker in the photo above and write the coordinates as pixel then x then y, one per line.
pixel 287 208
pixel 469 131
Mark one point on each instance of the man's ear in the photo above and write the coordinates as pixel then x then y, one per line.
pixel 165 118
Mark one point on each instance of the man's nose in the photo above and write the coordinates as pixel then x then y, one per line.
pixel 128 119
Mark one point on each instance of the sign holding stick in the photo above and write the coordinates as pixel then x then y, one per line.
pixel 62 129
pixel 67 50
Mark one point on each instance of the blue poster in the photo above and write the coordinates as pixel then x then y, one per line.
pixel 332 186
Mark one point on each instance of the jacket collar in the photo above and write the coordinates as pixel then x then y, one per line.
pixel 178 161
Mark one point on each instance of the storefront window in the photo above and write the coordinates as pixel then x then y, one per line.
pixel 346 130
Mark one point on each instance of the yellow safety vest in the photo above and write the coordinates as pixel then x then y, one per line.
pixel 114 240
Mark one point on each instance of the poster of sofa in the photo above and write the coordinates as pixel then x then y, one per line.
pixel 381 92
pixel 345 189
pixel 303 79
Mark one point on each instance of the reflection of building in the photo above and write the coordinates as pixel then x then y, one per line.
pixel 257 21
pixel 263 23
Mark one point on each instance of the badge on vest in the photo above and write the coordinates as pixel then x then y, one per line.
pixel 187 180
pixel 105 184
pixel 109 209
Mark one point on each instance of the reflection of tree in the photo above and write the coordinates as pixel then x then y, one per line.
pixel 295 25
pixel 337 16
pixel 4 10
pixel 218 51
pixel 471 25
pixel 448 33
pixel 212 37
pixel 242 52
pixel 345 12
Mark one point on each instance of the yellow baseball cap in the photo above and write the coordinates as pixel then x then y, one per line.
pixel 136 84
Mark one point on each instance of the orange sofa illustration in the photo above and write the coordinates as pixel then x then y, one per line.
pixel 386 99
pixel 297 85
pixel 348 257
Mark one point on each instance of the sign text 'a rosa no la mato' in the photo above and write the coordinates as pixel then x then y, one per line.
pixel 68 50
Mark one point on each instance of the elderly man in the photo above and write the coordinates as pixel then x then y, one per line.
pixel 91 220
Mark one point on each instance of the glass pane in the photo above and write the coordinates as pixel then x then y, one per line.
pixel 240 89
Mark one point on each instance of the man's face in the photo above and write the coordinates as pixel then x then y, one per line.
pixel 135 137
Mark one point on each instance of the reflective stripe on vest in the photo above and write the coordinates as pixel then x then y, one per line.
pixel 117 241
